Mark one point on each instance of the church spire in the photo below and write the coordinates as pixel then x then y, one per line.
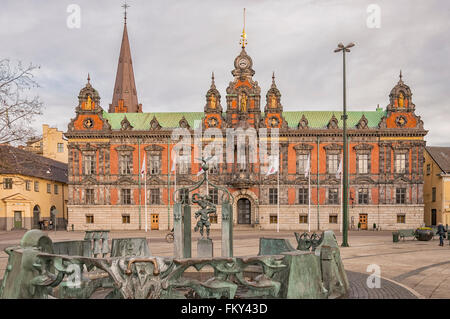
pixel 125 96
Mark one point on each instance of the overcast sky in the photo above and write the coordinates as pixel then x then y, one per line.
pixel 176 45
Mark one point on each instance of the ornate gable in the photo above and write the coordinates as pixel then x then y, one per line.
pixel 183 123
pixel 125 125
pixel 303 123
pixel 154 124
pixel 333 123
pixel 362 123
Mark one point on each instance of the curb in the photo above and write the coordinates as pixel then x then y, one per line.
pixel 415 293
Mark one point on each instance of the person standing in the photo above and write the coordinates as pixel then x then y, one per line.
pixel 441 232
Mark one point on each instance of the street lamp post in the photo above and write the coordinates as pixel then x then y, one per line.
pixel 344 49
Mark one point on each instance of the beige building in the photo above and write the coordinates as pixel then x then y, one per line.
pixel 52 144
pixel 436 191
pixel 33 189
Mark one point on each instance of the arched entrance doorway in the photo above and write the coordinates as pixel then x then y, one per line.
pixel 244 211
pixel 53 216
pixel 36 216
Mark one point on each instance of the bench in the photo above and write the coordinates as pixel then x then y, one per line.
pixel 402 233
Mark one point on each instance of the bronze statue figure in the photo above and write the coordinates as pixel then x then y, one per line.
pixel 208 207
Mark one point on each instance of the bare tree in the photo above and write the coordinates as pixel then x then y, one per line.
pixel 17 109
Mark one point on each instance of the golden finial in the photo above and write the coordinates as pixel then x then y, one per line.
pixel 243 41
pixel 89 79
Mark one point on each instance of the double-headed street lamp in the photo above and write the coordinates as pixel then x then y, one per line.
pixel 344 49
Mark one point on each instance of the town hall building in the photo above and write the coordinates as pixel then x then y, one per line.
pixel 107 146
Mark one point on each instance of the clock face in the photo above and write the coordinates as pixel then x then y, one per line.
pixel 243 63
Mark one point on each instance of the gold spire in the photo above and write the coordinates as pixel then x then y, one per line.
pixel 243 41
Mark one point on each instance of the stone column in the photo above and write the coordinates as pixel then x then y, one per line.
pixel 187 247
pixel 178 231
pixel 227 230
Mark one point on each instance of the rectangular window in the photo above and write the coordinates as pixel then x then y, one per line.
pixel 49 188
pixel 60 147
pixel 273 219
pixel 363 163
pixel 155 164
pixel 7 183
pixel 333 196
pixel 302 163
pixel 213 218
pixel 333 163
pixel 214 195
pixel 428 169
pixel 433 194
pixel 125 164
pixel 400 163
pixel 183 167
pixel 89 198
pixel 401 219
pixel 333 219
pixel 89 219
pixel 36 186
pixel 303 219
pixel 363 196
pixel 273 196
pixel 303 196
pixel 56 190
pixel 89 164
pixel 154 196
pixel 125 196
pixel 28 185
pixel 400 195
pixel 125 219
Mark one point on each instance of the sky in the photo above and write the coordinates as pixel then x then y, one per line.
pixel 176 45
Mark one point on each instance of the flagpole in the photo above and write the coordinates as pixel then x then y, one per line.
pixel 278 199
pixel 309 201
pixel 342 203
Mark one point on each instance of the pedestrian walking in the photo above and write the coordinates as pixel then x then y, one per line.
pixel 441 232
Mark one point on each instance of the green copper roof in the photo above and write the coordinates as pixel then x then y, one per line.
pixel 316 119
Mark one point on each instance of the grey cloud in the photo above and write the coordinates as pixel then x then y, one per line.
pixel 176 44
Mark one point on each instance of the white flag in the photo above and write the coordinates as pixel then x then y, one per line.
pixel 200 172
pixel 273 165
pixel 339 171
pixel 308 167
pixel 143 167
pixel 174 162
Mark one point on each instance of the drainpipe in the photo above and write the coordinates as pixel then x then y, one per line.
pixel 139 181
pixel 168 184
pixel 318 174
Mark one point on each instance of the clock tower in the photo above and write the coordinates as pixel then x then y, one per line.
pixel 243 93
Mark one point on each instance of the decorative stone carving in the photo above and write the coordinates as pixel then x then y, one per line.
pixel 184 123
pixel 303 123
pixel 362 123
pixel 125 125
pixel 333 123
pixel 154 124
